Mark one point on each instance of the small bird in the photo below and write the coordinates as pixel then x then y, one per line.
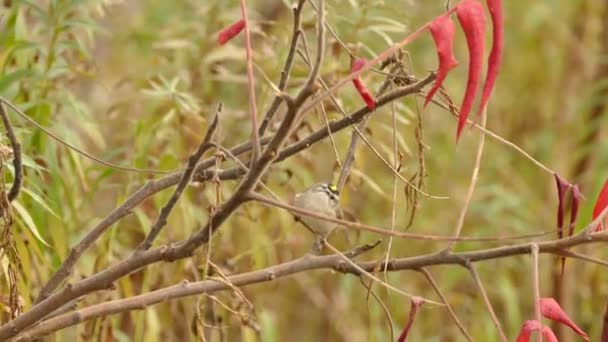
pixel 324 199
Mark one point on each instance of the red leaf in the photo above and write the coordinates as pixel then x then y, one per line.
pixel 442 30
pixel 551 310
pixel 416 304
pixel 230 32
pixel 600 205
pixel 532 325
pixel 562 187
pixel 549 335
pixel 526 330
pixel 369 99
pixel 495 58
pixel 576 197
pixel 471 17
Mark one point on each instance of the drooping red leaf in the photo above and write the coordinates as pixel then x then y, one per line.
pixel 562 187
pixel 600 205
pixel 442 30
pixel 472 19
pixel 532 325
pixel 495 58
pixel 365 94
pixel 230 32
pixel 605 326
pixel 549 335
pixel 576 198
pixel 415 305
pixel 551 309
pixel 526 330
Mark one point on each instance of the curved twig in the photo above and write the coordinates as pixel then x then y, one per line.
pixel 74 148
pixel 17 162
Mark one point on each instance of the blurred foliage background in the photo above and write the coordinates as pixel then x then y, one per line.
pixel 135 82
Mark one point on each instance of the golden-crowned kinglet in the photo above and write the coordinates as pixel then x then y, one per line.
pixel 321 198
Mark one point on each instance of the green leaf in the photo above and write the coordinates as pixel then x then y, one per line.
pixel 29 222
pixel 38 199
pixel 7 79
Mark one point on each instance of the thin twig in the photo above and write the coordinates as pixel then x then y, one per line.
pixel 183 183
pixel 74 148
pixel 253 108
pixel 395 183
pixel 383 231
pixel 16 147
pixel 354 140
pixel 486 300
pixel 373 277
pixel 431 280
pixel 331 136
pixel 574 255
pixel 474 175
pixel 501 140
pixel 387 313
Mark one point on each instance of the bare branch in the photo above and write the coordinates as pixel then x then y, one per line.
pixel 303 264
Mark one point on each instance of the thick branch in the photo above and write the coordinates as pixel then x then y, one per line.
pixel 306 263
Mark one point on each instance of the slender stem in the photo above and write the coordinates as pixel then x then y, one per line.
pixel 73 147
pixel 253 109
pixel 536 289
pixel 383 231
pixel 474 175
pixel 431 280
pixel 486 300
